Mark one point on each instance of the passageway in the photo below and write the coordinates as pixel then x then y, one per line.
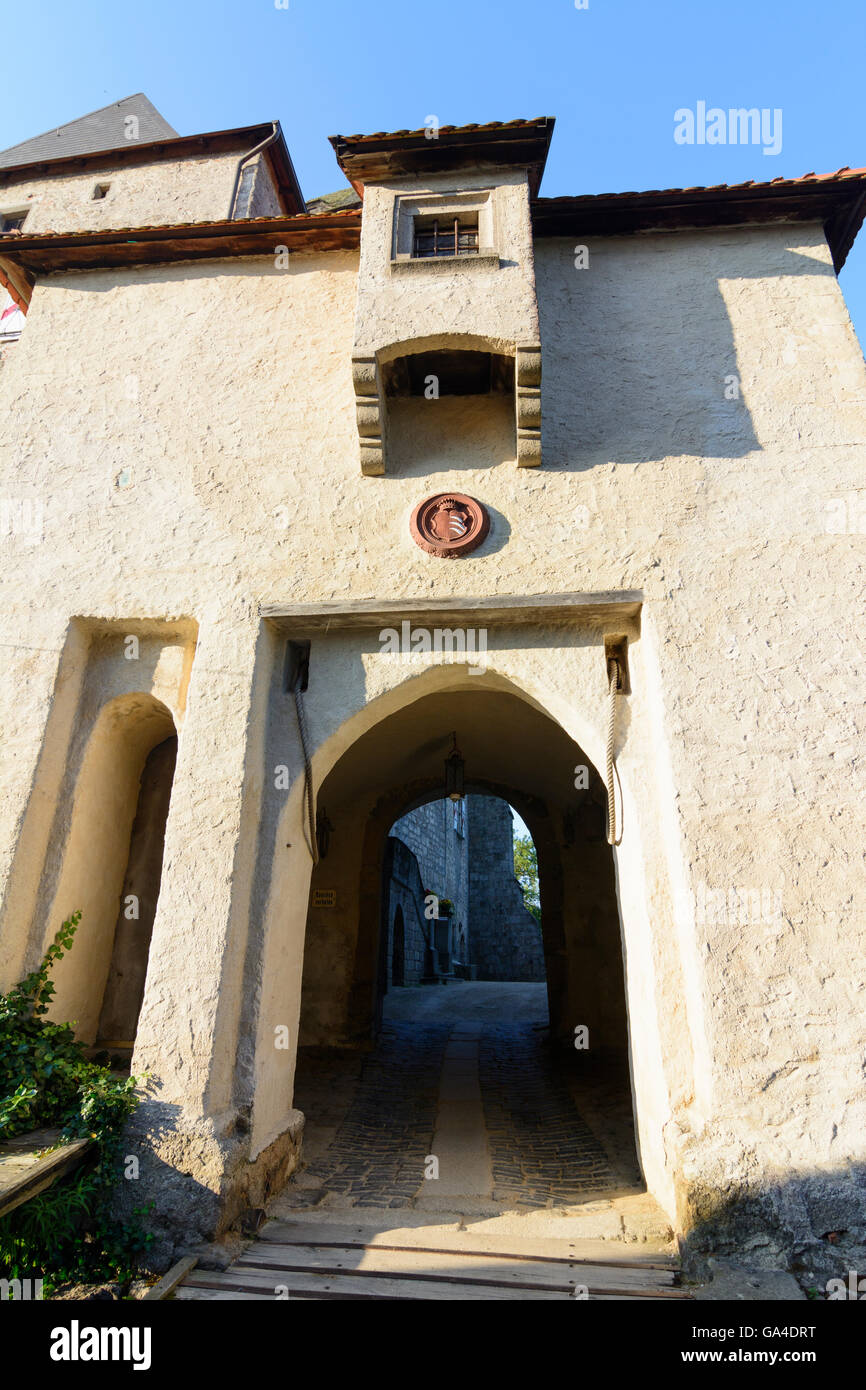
pixel 464 1074
pixel 490 1079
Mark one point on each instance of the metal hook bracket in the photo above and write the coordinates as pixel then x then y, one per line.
pixel 616 649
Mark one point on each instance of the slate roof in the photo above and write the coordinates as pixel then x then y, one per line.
pixel 334 202
pixel 99 130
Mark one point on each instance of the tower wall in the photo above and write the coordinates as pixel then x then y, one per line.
pixel 505 938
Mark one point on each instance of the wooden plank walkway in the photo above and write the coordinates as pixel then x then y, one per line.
pixel 26 1171
pixel 297 1259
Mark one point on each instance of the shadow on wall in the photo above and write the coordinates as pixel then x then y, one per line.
pixel 812 1224
pixel 639 347
pixel 469 434
pixel 186 1210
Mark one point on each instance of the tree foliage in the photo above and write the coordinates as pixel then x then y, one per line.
pixel 526 873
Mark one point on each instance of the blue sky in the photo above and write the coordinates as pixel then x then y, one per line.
pixel 612 74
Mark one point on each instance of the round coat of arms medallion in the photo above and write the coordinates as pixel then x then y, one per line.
pixel 449 524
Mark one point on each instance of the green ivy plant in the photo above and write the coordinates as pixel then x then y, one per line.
pixel 67 1233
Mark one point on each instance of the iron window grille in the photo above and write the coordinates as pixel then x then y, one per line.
pixel 445 237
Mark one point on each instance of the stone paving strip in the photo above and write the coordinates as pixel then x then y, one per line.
pixel 459 1142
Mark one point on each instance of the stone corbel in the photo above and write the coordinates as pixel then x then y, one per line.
pixel 370 414
pixel 527 392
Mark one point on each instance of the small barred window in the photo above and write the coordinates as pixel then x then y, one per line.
pixel 445 236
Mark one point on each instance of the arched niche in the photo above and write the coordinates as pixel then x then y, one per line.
pixel 114 843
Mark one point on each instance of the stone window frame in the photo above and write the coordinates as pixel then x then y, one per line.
pixel 455 203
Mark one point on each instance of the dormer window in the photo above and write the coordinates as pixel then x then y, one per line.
pixel 434 230
pixel 12 221
pixel 445 236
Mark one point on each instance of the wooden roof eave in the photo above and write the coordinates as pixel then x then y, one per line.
pixel 18 282
pixel 43 255
pixel 838 206
pixel 377 159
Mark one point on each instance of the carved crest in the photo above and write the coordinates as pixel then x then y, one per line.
pixel 449 524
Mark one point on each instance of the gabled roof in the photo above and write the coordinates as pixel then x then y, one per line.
pixel 239 138
pixel 498 144
pixel 99 130
pixel 836 200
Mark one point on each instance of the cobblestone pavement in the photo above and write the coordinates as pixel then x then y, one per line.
pixel 371 1120
pixel 377 1153
pixel 541 1149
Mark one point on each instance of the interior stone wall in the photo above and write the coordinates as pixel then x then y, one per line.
pixel 406 891
pixel 441 851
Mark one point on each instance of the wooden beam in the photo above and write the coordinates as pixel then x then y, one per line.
pixel 169 1282
pixel 593 609
pixel 18 281
pixel 260 236
pixel 24 1175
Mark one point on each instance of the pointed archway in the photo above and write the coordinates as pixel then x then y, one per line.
pixel 513 751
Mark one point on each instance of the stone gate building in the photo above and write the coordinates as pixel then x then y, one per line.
pixel 259 458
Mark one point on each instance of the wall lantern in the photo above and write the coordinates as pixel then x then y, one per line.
pixel 454 767
pixel 323 833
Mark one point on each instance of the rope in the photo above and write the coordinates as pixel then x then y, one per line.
pixel 308 775
pixel 611 766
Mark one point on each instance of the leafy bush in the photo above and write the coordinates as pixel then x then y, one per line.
pixel 67 1232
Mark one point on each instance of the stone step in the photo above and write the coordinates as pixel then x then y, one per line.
pixel 632 1221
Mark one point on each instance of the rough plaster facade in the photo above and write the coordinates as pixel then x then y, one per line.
pixel 140 195
pixel 177 487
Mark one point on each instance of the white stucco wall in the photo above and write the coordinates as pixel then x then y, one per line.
pixel 178 478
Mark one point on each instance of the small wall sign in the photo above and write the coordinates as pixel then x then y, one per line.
pixel 324 897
